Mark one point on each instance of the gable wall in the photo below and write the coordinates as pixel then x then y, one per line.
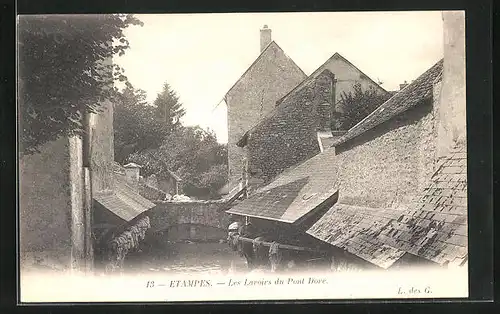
pixel 254 96
pixel 288 137
pixel 346 76
pixel 45 206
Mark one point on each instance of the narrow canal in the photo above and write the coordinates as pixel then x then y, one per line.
pixel 186 257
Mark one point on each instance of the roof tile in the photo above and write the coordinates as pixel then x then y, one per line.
pixel 123 201
pixel 410 96
pixel 295 192
pixel 435 227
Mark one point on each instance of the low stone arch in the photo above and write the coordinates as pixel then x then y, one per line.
pixel 193 232
pixel 207 213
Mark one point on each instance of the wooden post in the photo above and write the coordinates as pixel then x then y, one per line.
pixel 284 246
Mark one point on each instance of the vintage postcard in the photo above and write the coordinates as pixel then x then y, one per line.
pixel 241 157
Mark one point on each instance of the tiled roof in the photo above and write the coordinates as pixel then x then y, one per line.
pixel 357 229
pixel 123 201
pixel 282 107
pixel 122 188
pixel 295 192
pixel 270 204
pixel 408 97
pixel 434 227
pixel 279 115
pixel 438 221
pixel 117 205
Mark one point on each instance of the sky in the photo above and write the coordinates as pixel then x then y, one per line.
pixel 202 55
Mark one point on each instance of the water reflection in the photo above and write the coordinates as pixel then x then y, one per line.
pixel 186 258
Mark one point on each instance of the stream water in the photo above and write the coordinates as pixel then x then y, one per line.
pixel 191 258
pixel 186 257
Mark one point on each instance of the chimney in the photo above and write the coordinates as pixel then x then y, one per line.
pixel 132 174
pixel 401 86
pixel 265 37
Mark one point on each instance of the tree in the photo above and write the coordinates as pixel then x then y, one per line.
pixel 65 70
pixel 169 108
pixel 194 154
pixel 357 105
pixel 135 126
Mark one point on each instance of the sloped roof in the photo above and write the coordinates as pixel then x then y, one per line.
pixel 324 67
pixel 132 165
pixel 437 221
pixel 123 200
pixel 295 192
pixel 116 205
pixel 306 82
pixel 174 175
pixel 279 115
pixel 408 97
pixel 263 52
pixel 356 229
pixel 127 192
pixel 434 227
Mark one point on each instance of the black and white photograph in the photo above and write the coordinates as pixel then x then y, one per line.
pixel 242 156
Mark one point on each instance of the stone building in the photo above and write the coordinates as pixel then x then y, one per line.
pixel 394 187
pixel 69 194
pixel 57 186
pixel 270 77
pixel 119 205
pixel 52 232
pixel 304 121
pixel 169 182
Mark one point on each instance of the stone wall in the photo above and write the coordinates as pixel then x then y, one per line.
pixel 151 193
pixel 128 240
pixel 289 135
pixel 55 223
pixel 388 165
pixel 255 95
pixel 53 232
pixel 168 185
pixel 209 213
pixel 102 141
pixel 193 232
pixel 45 206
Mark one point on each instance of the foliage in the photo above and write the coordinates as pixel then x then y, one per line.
pixel 194 154
pixel 135 126
pixel 357 105
pixel 169 108
pixel 65 71
pixel 214 179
